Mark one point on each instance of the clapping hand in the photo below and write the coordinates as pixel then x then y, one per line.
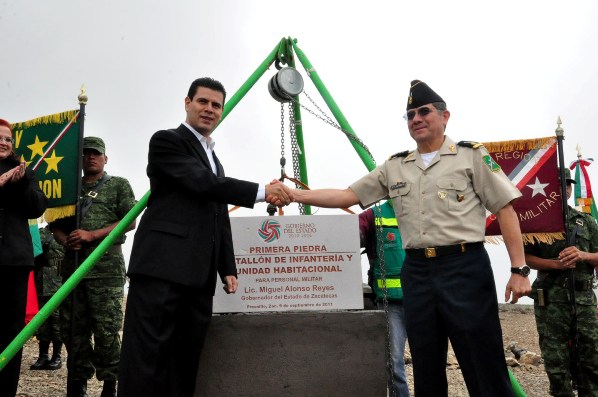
pixel 19 172
pixel 278 194
pixel 13 175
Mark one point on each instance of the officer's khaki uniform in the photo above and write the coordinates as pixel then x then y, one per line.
pixel 444 203
pixel 451 296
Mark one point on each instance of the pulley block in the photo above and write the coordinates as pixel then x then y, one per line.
pixel 285 84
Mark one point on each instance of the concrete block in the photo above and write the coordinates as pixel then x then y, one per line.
pixel 295 354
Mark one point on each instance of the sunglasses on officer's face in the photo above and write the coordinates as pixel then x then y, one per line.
pixel 422 112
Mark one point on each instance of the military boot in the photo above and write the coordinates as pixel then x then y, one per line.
pixel 109 389
pixel 56 361
pixel 43 359
pixel 77 388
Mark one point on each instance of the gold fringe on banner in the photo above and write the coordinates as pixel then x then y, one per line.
pixel 57 118
pixel 530 238
pixel 32 222
pixel 522 144
pixel 65 211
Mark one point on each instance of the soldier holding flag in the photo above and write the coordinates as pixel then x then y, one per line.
pixel 552 304
pixel 97 308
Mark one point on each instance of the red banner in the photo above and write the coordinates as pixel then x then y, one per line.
pixel 531 165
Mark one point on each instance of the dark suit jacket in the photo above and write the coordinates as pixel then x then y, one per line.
pixel 19 201
pixel 184 236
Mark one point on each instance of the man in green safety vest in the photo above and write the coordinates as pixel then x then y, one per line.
pixel 377 226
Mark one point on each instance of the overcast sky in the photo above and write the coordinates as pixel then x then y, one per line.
pixel 506 71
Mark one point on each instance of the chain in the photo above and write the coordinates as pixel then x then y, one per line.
pixel 325 118
pixel 295 151
pixel 377 210
pixel 381 257
pixel 283 161
pixel 379 231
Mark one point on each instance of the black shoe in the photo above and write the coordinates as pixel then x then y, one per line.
pixel 109 389
pixel 55 363
pixel 77 388
pixel 41 363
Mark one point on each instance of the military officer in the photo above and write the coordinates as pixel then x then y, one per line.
pixel 440 193
pixel 552 304
pixel 97 308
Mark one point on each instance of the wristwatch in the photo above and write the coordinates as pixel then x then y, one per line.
pixel 522 271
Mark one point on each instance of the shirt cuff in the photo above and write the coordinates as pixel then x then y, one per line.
pixel 261 194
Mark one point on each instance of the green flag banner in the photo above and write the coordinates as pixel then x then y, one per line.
pixel 49 145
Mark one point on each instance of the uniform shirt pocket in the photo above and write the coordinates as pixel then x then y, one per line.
pixel 400 199
pixel 452 190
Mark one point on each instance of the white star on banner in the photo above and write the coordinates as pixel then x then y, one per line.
pixel 538 188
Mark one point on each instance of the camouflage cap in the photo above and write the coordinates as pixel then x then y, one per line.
pixel 95 143
pixel 568 176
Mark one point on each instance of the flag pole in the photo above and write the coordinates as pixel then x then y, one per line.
pixel 570 239
pixel 70 360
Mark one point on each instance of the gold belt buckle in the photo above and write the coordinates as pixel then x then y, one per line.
pixel 430 252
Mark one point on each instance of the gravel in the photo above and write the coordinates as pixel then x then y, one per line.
pixel 518 325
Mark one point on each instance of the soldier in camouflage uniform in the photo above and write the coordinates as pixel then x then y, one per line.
pixel 97 308
pixel 47 282
pixel 553 307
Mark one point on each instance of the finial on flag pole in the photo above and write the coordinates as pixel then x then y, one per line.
pixel 82 96
pixel 578 147
pixel 559 130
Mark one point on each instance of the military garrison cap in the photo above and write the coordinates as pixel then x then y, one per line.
pixel 95 143
pixel 421 94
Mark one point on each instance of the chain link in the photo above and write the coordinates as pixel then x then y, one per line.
pixel 295 151
pixel 283 161
pixel 325 118
pixel 380 245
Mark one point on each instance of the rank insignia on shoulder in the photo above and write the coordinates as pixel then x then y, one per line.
pixel 579 222
pixel 470 144
pixel 493 165
pixel 400 154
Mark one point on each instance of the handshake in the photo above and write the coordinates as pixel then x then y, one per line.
pixel 278 194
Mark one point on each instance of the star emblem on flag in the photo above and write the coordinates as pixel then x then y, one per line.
pixel 538 188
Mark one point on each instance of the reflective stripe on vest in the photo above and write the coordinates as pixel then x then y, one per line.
pixel 390 283
pixel 389 222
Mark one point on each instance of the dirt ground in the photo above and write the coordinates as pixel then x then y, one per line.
pixel 517 321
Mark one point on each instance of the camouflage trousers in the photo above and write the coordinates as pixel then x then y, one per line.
pixel 554 322
pixel 97 313
pixel 50 330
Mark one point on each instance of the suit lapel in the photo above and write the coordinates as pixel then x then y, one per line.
pixel 195 144
pixel 219 168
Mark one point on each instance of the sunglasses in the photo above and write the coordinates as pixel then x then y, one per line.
pixel 422 112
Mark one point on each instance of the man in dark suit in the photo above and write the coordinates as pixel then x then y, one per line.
pixel 183 241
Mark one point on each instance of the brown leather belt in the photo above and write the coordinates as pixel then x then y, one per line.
pixel 435 252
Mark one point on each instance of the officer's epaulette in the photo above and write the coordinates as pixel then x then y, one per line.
pixel 471 144
pixel 400 154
